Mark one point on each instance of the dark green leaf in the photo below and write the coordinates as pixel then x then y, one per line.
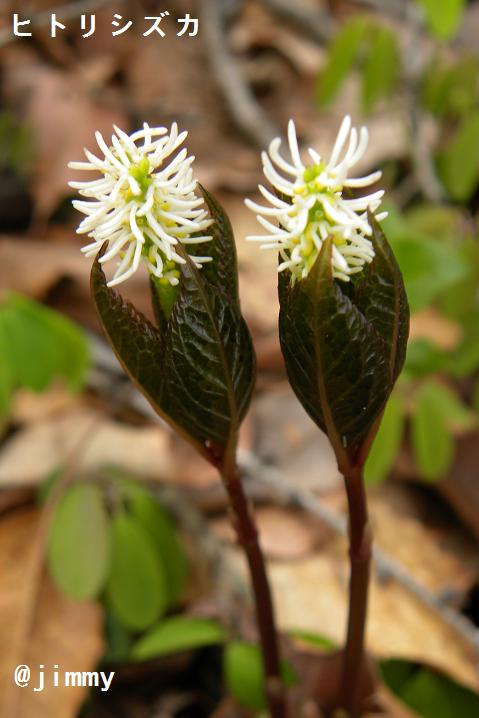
pixel 341 56
pixel 79 542
pixel 136 590
pixel 244 674
pixel 381 296
pixel 197 368
pixel 432 442
pixel 381 70
pixel 387 442
pixel 179 633
pixel 459 163
pixel 344 344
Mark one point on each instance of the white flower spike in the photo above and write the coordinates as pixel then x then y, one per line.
pixel 309 205
pixel 145 203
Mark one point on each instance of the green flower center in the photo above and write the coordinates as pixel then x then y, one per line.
pixel 141 173
pixel 313 171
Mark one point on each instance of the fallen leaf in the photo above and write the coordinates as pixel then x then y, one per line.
pixel 31 454
pixel 40 627
pixel 287 439
pixel 311 593
pixel 63 116
pixel 431 324
pixel 284 534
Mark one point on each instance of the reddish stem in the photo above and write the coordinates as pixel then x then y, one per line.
pixel 247 536
pixel 360 546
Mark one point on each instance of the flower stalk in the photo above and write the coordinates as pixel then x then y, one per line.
pixel 343 325
pixel 247 537
pixel 360 551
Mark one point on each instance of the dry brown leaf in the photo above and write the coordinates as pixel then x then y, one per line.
pixel 432 325
pixel 288 439
pixel 31 454
pixel 63 116
pixel 284 534
pixel 311 594
pixel 39 626
pixel 33 267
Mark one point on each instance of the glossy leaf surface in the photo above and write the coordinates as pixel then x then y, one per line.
pixel 197 367
pixel 344 343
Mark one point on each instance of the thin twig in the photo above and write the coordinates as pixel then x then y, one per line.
pixel 256 471
pixel 317 24
pixel 387 567
pixel 397 9
pixel 245 111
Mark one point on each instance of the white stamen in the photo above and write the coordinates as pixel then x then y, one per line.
pixel 311 205
pixel 144 204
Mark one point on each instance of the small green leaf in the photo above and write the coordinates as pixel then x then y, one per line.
pixel 197 368
pixel 451 91
pixel 79 542
pixel 396 672
pixel 429 267
pixel 429 693
pixel 176 634
pixel 381 69
pixel 7 367
pixel 436 696
pixel 341 56
pixel 456 414
pixel 48 485
pixel 344 343
pixel 432 442
pixel 423 357
pixel 136 590
pixel 244 674
pixel 314 639
pixel 443 16
pixel 387 442
pixel 38 345
pixel 118 640
pixel 161 530
pixel 459 163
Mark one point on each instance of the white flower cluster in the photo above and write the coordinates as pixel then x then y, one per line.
pixel 145 203
pixel 309 205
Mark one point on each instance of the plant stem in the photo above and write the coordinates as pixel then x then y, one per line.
pixel 360 545
pixel 247 536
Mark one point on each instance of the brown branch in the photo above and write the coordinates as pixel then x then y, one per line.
pixel 245 110
pixel 318 24
pixel 106 379
pixel 387 568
